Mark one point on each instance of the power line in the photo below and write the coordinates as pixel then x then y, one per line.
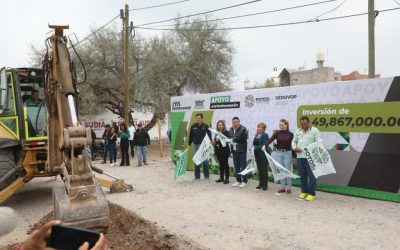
pixel 97 30
pixel 201 13
pixel 114 18
pixel 160 5
pixel 337 7
pixel 258 13
pixel 279 24
pixel 396 2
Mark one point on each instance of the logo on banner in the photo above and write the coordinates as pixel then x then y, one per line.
pixel 263 100
pixel 223 102
pixel 220 99
pixel 177 106
pixel 249 101
pixel 285 97
pixel 199 104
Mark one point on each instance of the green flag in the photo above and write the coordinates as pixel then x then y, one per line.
pixel 181 164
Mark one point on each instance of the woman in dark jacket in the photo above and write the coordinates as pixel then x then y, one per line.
pixel 112 145
pixel 261 160
pixel 124 144
pixel 222 153
pixel 283 152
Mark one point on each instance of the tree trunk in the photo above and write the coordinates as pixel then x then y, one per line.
pixel 153 120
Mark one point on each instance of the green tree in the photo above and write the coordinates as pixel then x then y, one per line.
pixel 269 83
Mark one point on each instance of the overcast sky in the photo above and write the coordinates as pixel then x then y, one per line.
pixel 344 42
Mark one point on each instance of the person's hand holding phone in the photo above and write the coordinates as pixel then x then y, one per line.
pixel 38 239
pixel 101 244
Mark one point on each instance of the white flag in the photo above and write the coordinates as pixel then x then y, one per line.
pixel 319 159
pixel 251 167
pixel 205 151
pixel 220 136
pixel 278 171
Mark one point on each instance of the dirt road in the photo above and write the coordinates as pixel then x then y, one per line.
pixel 219 216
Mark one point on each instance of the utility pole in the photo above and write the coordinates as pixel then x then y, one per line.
pixel 126 63
pixel 371 39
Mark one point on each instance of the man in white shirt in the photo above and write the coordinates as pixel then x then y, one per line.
pixel 132 131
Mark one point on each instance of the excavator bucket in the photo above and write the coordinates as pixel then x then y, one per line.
pixel 89 212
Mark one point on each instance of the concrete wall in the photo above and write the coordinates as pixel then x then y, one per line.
pixel 317 75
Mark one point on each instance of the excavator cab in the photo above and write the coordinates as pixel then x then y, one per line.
pixel 35 111
pixel 22 89
pixel 22 129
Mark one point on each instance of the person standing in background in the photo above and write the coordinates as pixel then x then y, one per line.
pixel 259 155
pixel 115 126
pixel 105 133
pixel 112 145
pixel 116 131
pixel 124 144
pixel 222 153
pixel 142 140
pixel 93 145
pixel 132 131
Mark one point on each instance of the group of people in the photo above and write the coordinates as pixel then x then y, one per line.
pixel 288 144
pixel 130 137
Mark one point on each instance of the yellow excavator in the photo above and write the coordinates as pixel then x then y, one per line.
pixel 40 136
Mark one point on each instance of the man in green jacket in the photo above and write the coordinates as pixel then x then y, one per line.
pixel 34 99
pixel 303 137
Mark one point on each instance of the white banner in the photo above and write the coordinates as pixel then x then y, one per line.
pixel 220 136
pixel 251 167
pixel 319 159
pixel 205 151
pixel 278 171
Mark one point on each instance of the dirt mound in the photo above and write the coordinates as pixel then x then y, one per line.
pixel 130 231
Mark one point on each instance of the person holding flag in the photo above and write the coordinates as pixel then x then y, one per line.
pixel 239 135
pixel 261 160
pixel 283 152
pixel 222 151
pixel 197 133
pixel 303 137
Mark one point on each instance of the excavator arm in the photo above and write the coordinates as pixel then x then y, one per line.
pixel 81 202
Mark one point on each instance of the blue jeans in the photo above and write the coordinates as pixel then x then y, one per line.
pixel 111 148
pixel 285 159
pixel 142 154
pixel 197 167
pixel 239 161
pixel 114 148
pixel 307 178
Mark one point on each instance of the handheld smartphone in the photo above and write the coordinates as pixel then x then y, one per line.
pixel 69 238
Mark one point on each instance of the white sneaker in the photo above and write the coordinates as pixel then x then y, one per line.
pixel 111 164
pixel 236 184
pixel 242 185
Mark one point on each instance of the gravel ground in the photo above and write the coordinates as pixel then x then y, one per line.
pixel 219 216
